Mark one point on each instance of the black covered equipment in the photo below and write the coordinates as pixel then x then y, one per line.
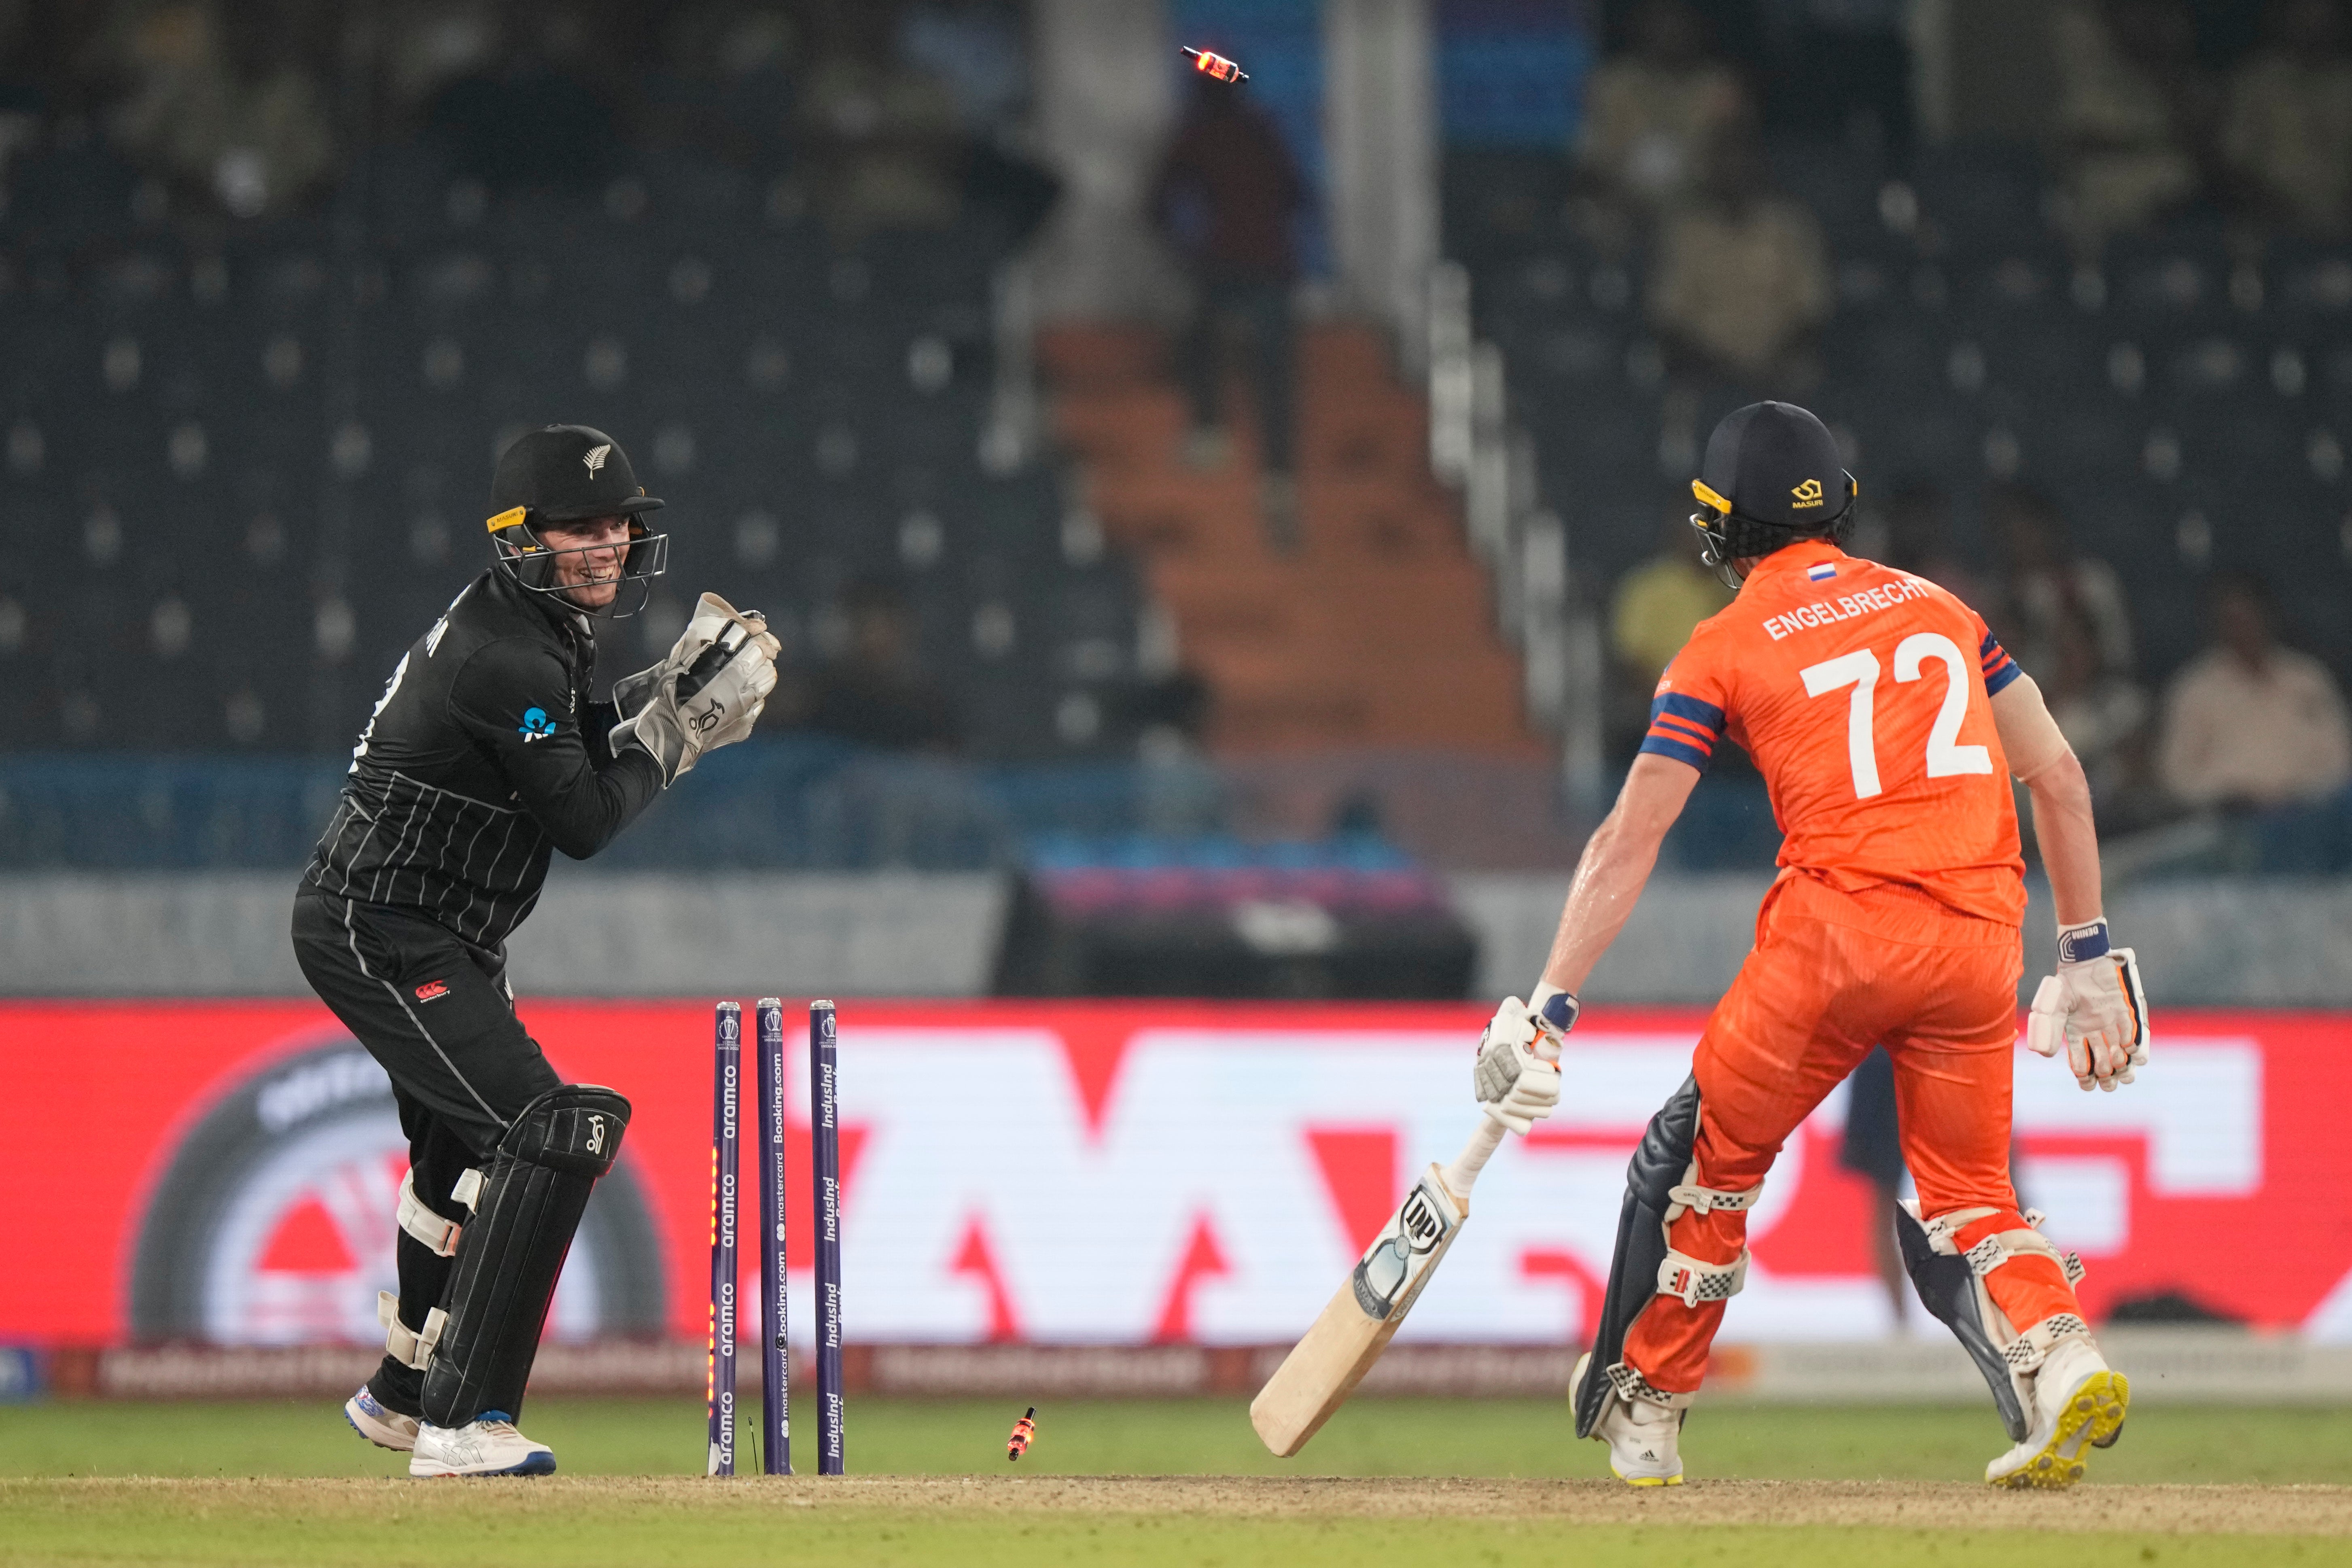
pixel 1771 475
pixel 1947 1288
pixel 1661 1161
pixel 513 1249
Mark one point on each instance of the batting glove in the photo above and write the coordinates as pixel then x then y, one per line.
pixel 1516 1075
pixel 2093 1007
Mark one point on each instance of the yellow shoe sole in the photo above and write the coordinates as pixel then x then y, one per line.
pixel 1645 1480
pixel 2093 1419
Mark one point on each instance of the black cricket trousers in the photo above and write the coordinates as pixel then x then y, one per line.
pixel 439 1017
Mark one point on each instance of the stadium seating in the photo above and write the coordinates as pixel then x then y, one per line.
pixel 2187 407
pixel 247 460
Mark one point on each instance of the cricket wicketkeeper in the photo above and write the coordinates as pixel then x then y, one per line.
pixel 483 755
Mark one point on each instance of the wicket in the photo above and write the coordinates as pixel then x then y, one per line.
pixel 725 1111
pixel 825 1158
pixel 824 1138
pixel 776 1312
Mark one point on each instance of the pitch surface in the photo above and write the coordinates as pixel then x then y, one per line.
pixel 1223 1520
pixel 1460 1483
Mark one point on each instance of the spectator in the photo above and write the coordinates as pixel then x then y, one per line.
pixel 225 96
pixel 885 137
pixel 2047 584
pixel 1743 275
pixel 2134 112
pixel 1651 615
pixel 429 44
pixel 876 693
pixel 1651 112
pixel 2248 723
pixel 2287 138
pixel 1226 192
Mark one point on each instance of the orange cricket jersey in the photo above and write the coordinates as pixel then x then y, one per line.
pixel 1864 694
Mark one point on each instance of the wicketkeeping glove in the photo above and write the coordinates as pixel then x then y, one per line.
pixel 2094 1008
pixel 1516 1075
pixel 711 615
pixel 709 693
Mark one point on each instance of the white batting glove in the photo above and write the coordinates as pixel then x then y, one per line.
pixel 1554 1012
pixel 1516 1075
pixel 2094 1008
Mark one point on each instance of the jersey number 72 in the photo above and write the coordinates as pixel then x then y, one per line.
pixel 1860 670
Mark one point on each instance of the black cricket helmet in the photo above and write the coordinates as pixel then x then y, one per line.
pixel 1772 476
pixel 571 473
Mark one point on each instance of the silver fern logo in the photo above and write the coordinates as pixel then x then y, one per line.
pixel 596 455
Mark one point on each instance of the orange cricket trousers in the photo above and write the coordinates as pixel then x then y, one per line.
pixel 1832 975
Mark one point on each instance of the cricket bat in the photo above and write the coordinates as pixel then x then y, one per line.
pixel 1316 1378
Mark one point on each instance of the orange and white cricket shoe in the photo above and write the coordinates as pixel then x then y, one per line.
pixel 1642 1436
pixel 2079 1404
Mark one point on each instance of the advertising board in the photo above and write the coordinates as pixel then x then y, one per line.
pixel 1111 1173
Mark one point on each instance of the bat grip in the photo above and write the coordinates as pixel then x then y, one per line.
pixel 1463 1174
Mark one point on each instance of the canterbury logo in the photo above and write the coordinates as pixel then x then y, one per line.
pixel 1809 494
pixel 596 455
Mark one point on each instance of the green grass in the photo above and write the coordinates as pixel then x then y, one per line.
pixel 1205 1437
pixel 481 1528
pixel 579 1522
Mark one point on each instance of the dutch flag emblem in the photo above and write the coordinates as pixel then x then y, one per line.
pixel 1821 573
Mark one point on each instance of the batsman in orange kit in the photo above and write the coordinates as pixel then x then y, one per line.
pixel 1887 723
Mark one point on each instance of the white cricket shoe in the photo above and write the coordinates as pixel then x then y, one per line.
pixel 384 1429
pixel 2078 1405
pixel 1642 1437
pixel 487 1446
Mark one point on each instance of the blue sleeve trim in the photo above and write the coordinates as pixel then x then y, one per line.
pixel 1705 715
pixel 2002 677
pixel 1659 746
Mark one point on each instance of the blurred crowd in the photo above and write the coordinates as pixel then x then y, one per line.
pixel 2252 728
pixel 1670 159
pixel 1671 174
pixel 1670 156
pixel 891 113
pixel 2146 127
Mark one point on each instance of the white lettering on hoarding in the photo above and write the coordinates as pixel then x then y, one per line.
pixel 1093 1228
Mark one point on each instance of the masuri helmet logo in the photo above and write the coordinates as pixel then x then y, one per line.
pixel 1807 494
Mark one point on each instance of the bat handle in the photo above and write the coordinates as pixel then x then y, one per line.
pixel 1463 1174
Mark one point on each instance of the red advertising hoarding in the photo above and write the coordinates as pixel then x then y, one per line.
pixel 1096 1172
